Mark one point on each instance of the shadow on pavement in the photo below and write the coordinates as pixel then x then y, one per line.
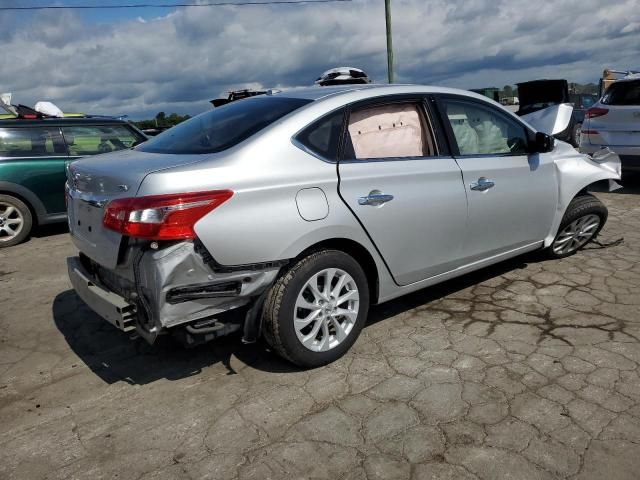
pixel 51 229
pixel 113 356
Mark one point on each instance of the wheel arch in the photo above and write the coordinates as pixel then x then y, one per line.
pixel 26 196
pixel 566 200
pixel 359 253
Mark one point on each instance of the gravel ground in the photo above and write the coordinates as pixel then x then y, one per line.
pixel 528 369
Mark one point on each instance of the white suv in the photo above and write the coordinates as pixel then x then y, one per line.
pixel 614 122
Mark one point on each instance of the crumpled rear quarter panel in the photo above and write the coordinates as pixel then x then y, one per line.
pixel 180 265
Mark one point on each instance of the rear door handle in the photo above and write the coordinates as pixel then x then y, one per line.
pixel 375 198
pixel 482 184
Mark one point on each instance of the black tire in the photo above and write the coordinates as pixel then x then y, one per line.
pixel 7 240
pixel 278 316
pixel 580 206
pixel 575 134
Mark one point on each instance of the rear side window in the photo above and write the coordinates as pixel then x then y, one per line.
pixel 396 130
pixel 93 140
pixel 224 126
pixel 31 142
pixel 623 93
pixel 323 136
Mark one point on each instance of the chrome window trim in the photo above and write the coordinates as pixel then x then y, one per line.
pixel 394 159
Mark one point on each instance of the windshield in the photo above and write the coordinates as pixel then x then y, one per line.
pixel 222 127
pixel 623 93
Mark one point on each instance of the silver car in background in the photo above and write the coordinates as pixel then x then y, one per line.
pixel 614 122
pixel 287 215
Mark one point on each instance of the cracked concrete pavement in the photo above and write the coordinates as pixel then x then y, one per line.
pixel 525 370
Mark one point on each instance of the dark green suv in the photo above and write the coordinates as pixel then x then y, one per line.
pixel 33 157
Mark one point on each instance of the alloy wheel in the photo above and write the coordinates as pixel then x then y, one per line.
pixel 576 234
pixel 11 221
pixel 326 309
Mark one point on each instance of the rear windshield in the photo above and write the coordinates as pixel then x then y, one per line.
pixel 623 93
pixel 222 127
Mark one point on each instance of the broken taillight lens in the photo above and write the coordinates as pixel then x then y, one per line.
pixel 162 217
pixel 596 112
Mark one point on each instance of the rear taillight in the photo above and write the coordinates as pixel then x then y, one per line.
pixel 589 132
pixel 162 217
pixel 596 112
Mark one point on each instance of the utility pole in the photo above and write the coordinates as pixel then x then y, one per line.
pixel 387 11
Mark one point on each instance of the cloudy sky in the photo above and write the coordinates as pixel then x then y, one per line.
pixel 141 61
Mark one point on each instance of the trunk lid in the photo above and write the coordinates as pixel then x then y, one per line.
pixel 93 182
pixel 541 94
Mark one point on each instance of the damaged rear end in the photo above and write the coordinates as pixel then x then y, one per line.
pixel 134 215
pixel 141 266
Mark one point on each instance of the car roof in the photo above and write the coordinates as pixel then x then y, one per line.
pixel 320 93
pixel 56 121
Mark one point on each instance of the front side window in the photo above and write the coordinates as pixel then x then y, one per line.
pixel 223 127
pixel 31 142
pixel 323 136
pixel 480 130
pixel 96 139
pixel 623 93
pixel 396 130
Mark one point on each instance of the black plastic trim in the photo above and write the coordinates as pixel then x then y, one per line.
pixel 219 268
pixel 203 290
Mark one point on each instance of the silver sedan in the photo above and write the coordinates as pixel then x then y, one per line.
pixel 286 215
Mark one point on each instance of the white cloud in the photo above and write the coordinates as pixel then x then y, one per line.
pixel 180 61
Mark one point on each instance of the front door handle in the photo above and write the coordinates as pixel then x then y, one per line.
pixel 375 198
pixel 482 184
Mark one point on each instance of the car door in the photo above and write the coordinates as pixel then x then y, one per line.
pixel 512 193
pixel 35 159
pixel 404 188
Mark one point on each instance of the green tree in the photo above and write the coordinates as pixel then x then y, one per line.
pixel 161 118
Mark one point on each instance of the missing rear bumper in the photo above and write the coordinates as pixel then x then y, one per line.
pixel 110 306
pixel 155 291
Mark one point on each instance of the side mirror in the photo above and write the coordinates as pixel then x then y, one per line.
pixel 543 143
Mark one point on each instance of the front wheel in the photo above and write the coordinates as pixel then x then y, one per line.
pixel 314 313
pixel 583 220
pixel 576 134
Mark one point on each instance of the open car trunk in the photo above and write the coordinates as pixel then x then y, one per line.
pixel 541 94
pixel 545 105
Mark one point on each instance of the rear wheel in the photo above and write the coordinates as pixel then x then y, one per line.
pixel 583 220
pixel 315 312
pixel 15 221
